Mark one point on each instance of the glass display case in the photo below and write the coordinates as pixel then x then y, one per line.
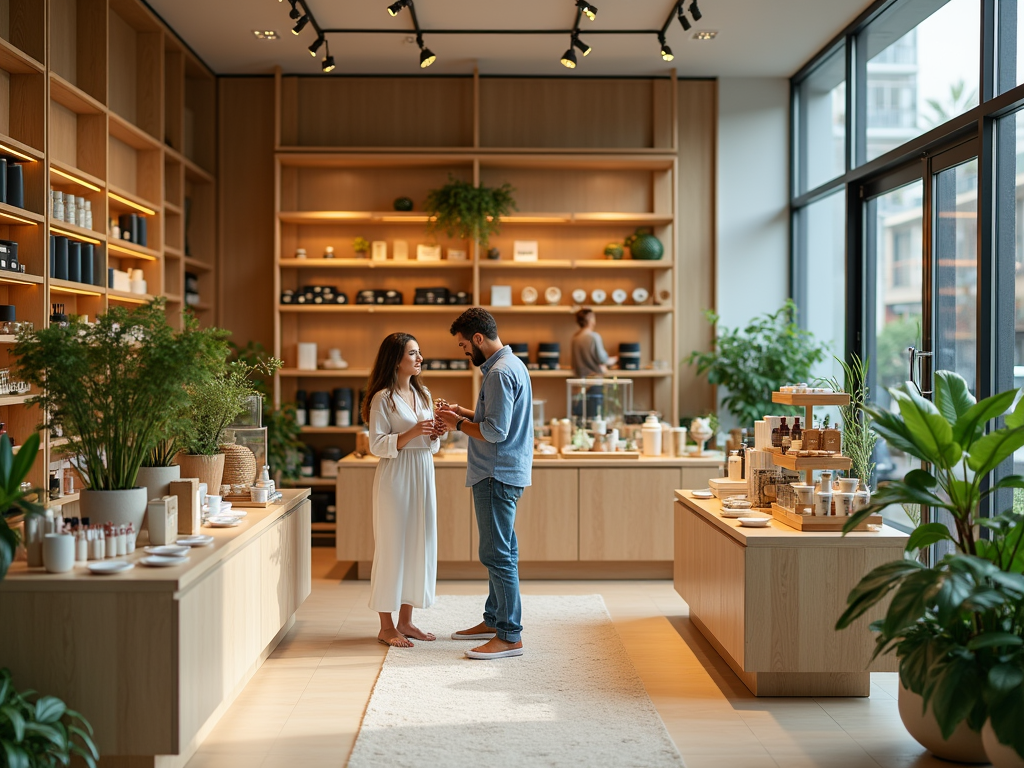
pixel 607 399
pixel 253 438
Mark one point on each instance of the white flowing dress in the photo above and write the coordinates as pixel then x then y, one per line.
pixel 404 507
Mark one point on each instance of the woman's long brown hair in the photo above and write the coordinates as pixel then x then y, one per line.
pixel 384 375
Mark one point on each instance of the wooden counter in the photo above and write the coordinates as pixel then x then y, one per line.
pixel 581 518
pixel 768 599
pixel 153 657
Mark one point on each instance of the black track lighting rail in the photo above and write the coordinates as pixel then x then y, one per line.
pixel 374 31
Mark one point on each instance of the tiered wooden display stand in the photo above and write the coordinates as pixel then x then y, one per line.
pixel 807 465
pixel 101 100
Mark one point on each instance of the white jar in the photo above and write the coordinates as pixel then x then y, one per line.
pixel 735 466
pixel 651 432
pixel 59 552
pixel 822 504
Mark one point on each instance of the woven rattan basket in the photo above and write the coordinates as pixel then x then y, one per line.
pixel 239 464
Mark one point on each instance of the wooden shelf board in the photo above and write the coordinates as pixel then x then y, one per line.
pixel 17 62
pixel 130 298
pixel 490 157
pixel 331 430
pixel 175 253
pixel 358 373
pixel 788 398
pixel 575 264
pixel 80 289
pixel 76 232
pixel 194 263
pixel 170 207
pixel 562 309
pixel 58 180
pixel 20 147
pixel 72 97
pixel 818 523
pixel 614 373
pixel 365 157
pixel 117 205
pixel 200 307
pixel 370 264
pixel 173 298
pixel 126 249
pixel 15 399
pixel 19 217
pixel 324 527
pixel 447 374
pixel 351 217
pixel 57 442
pixel 400 217
pixel 68 499
pixel 8 338
pixel 311 482
pixel 193 172
pixel 370 309
pixel 20 278
pixel 800 464
pixel 130 134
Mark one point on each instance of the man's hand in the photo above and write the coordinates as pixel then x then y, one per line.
pixel 449 417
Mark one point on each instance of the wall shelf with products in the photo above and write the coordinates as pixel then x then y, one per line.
pixel 98 85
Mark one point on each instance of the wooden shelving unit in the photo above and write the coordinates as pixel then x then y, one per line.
pixel 95 106
pixel 572 201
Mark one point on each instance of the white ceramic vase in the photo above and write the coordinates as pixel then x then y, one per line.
pixel 1000 755
pixel 117 507
pixel 964 746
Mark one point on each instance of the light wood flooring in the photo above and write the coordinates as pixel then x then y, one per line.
pixel 304 706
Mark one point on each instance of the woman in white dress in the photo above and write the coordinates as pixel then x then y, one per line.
pixel 404 434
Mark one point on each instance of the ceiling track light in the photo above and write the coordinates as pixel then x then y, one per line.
pixel 586 49
pixel 695 11
pixel 666 52
pixel 683 20
pixel 316 45
pixel 396 7
pixel 294 13
pixel 588 9
pixel 427 56
pixel 328 64
pixel 569 57
pixel 300 24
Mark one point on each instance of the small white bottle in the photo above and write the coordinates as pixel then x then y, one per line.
pixel 81 546
pixel 122 544
pixel 58 205
pixel 129 539
pixel 735 466
pixel 70 209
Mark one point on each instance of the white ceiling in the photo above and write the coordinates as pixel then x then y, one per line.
pixel 756 38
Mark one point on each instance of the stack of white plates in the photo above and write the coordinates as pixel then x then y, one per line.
pixel 199 540
pixel 158 561
pixel 222 521
pixel 107 567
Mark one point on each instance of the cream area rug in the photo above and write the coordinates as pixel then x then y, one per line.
pixel 573 699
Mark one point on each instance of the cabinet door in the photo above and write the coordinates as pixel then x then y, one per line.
pixel 547 518
pixel 626 514
pixel 354 503
pixel 454 514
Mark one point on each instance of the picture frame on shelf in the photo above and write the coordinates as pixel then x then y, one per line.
pixel 501 295
pixel 525 250
pixel 379 250
pixel 428 252
pixel 457 254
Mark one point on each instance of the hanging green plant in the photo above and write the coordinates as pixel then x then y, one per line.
pixel 467 212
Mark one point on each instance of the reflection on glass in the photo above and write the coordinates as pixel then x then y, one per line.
pixel 893 244
pixel 1011 139
pixel 821 97
pixel 922 69
pixel 821 230
pixel 956 270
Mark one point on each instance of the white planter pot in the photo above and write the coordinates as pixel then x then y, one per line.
pixel 157 480
pixel 117 507
pixel 964 746
pixel 1000 755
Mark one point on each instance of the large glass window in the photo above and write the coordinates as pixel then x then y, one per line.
pixel 922 69
pixel 821 111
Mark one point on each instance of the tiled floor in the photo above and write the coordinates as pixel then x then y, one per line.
pixel 304 706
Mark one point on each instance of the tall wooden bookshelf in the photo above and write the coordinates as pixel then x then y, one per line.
pixel 101 100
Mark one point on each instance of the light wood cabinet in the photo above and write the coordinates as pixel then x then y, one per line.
pixel 455 524
pixel 627 515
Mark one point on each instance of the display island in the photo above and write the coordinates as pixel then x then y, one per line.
pixel 581 518
pixel 153 657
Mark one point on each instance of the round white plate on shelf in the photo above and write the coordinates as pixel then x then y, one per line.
pixel 529 295
pixel 619 296
pixel 579 296
pixel 168 550
pixel 199 540
pixel 598 296
pixel 736 513
pixel 704 493
pixel 107 567
pixel 156 561
pixel 640 295
pixel 224 507
pixel 754 522
pixel 222 521
pixel 553 295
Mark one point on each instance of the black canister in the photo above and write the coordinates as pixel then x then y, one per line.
pixel 88 259
pixel 522 351
pixel 318 408
pixel 342 398
pixel 53 255
pixel 329 458
pixel 308 463
pixel 3 179
pixel 143 234
pixel 629 356
pixel 74 261
pixel 15 185
pixel 7 313
pixel 300 408
pixel 60 265
pixel 548 353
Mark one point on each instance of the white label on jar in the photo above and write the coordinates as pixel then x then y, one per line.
pixel 343 418
pixel 328 469
pixel 319 417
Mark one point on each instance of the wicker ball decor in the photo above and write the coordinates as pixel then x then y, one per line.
pixel 239 464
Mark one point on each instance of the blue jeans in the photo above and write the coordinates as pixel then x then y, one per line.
pixel 495 505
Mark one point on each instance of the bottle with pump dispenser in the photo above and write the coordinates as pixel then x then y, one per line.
pixel 651 431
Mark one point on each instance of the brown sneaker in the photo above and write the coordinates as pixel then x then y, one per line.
pixel 480 632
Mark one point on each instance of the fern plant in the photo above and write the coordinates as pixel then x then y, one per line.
pixel 467 212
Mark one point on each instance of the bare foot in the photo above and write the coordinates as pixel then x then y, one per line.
pixel 411 630
pixel 394 638
pixel 479 629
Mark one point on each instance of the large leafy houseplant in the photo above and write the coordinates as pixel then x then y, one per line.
pixel 468 212
pixel 956 626
pixel 115 387
pixel 15 504
pixel 752 362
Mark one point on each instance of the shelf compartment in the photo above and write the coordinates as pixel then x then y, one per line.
pixel 806 463
pixel 24 29
pixel 562 309
pixel 73 98
pixel 18 278
pixel 16 61
pixel 124 201
pixel 370 264
pixel 12 146
pixel 128 298
pixel 136 67
pixel 384 309
pixel 129 133
pixel 18 217
pixel 119 249
pixel 62 175
pixel 194 263
pixel 77 131
pixel 70 498
pixel 171 252
pixel 77 289
pixel 78 43
pixel 75 232
pixel 170 207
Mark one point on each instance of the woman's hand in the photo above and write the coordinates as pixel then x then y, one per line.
pixel 424 428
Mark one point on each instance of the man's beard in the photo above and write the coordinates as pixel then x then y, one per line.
pixel 478 357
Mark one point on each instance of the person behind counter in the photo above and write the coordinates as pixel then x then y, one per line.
pixel 403 433
pixel 589 357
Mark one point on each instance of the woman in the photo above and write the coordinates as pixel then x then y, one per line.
pixel 403 434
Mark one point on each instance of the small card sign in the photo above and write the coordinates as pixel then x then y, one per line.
pixel 455 254
pixel 401 251
pixel 428 253
pixel 379 250
pixel 524 250
pixel 501 295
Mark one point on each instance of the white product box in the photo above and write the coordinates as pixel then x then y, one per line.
pixel 401 251
pixel 501 295
pixel 307 356
pixel 162 519
pixel 121 281
pixel 455 254
pixel 524 250
pixel 428 253
pixel 379 250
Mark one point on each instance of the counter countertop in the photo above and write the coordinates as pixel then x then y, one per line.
pixel 781 535
pixel 141 578
pixel 459 460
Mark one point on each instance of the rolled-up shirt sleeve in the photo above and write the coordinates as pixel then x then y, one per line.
pixel 597 347
pixel 499 394
pixel 383 443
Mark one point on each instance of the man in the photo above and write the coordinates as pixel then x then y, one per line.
pixel 500 463
pixel 588 354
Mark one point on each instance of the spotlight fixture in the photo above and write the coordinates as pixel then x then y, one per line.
pixel 695 11
pixel 586 49
pixel 589 9
pixel 395 8
pixel 683 20
pixel 300 24
pixel 316 45
pixel 666 52
pixel 569 58
pixel 427 56
pixel 294 13
pixel 328 64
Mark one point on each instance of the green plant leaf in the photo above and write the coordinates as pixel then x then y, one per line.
pixel 49 709
pixel 55 736
pixel 994 640
pixel 1015 420
pixel 912 597
pixel 16 719
pixel 956 690
pixel 892 429
pixel 989 451
pixel 971 424
pixel 926 535
pixel 16 756
pixel 874 587
pixel 1007 717
pixel 85 738
pixel 1005 677
pixel 953 397
pixel 927 428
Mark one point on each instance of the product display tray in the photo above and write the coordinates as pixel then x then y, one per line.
pixel 245 501
pixel 812 523
pixel 723 487
pixel 803 463
pixel 606 455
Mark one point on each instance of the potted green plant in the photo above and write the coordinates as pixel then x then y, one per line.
pixel 955 626
pixel 114 388
pixel 361 246
pixel 468 212
pixel 211 406
pixel 858 437
pixel 16 505
pixel 752 362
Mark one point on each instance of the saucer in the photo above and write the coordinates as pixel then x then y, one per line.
pixel 106 567
pixel 754 522
pixel 598 296
pixel 529 295
pixel 222 521
pixel 167 550
pixel 156 561
pixel 553 295
pixel 704 493
pixel 640 295
pixel 199 540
